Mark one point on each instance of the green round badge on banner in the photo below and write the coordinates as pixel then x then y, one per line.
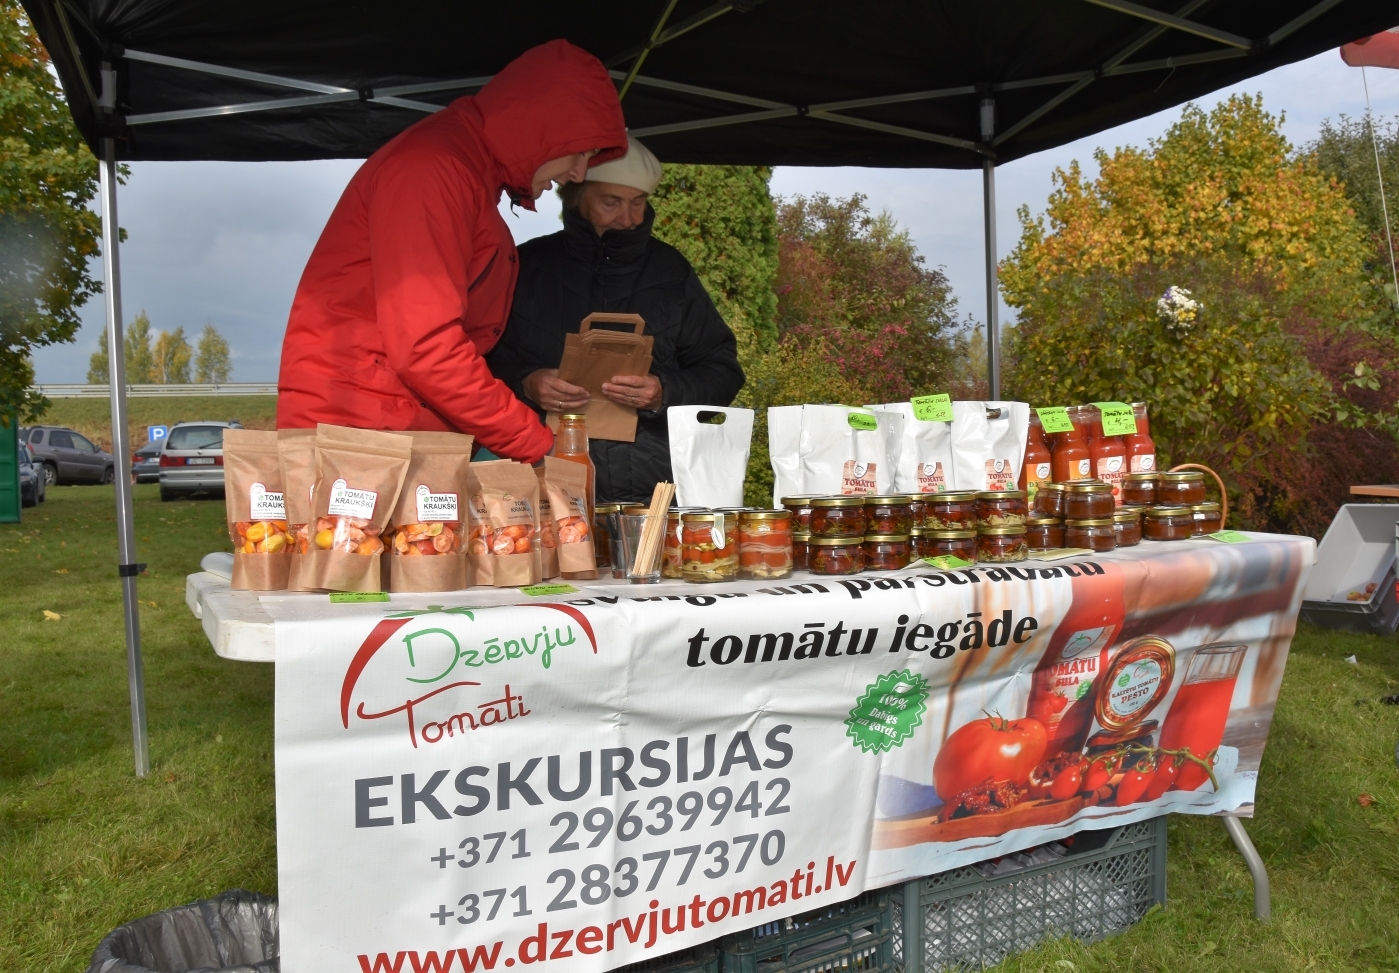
pixel 889 711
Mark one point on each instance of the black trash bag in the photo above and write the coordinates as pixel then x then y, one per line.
pixel 234 932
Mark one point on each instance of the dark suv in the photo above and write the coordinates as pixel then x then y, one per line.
pixel 68 456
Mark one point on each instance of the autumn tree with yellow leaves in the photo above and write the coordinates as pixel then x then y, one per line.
pixel 1282 381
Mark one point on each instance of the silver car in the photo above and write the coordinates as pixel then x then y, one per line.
pixel 191 461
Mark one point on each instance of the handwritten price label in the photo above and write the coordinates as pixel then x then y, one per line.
pixel 357 597
pixel 862 421
pixel 1118 419
pixel 1229 536
pixel 948 562
pixel 932 408
pixel 1055 419
pixel 539 590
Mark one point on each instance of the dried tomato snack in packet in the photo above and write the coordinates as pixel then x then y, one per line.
pixel 358 475
pixel 428 549
pixel 510 492
pixel 257 515
pixel 548 543
pixel 296 455
pixel 480 562
pixel 567 486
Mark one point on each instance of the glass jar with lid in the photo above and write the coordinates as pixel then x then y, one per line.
pixel 888 514
pixel 765 544
pixel 1139 488
pixel 955 510
pixel 602 540
pixel 886 552
pixel 1173 522
pixel 954 543
pixel 838 517
pixel 1127 524
pixel 801 545
pixel 1180 486
pixel 801 512
pixel 1001 545
pixel 1207 518
pixel 918 506
pixel 1095 534
pixel 1001 508
pixel 1049 500
pixel 1044 533
pixel 835 555
pixel 918 542
pixel 1088 500
pixel 708 547
pixel 671 560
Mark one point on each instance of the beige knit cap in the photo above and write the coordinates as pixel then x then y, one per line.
pixel 639 169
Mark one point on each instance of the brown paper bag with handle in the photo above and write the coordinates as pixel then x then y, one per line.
pixel 592 357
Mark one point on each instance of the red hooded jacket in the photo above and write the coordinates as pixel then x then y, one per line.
pixel 411 281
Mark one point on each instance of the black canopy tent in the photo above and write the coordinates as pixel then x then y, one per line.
pixel 890 83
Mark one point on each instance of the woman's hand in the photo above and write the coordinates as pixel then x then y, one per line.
pixel 637 391
pixel 552 394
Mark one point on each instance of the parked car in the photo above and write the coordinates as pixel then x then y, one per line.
pixel 32 483
pixel 68 456
pixel 191 460
pixel 145 463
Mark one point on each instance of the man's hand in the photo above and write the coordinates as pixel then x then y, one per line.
pixel 637 391
pixel 552 394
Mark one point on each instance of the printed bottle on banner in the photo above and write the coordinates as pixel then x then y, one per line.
pixel 1136 680
pixel 1062 693
pixel 1038 465
pixel 1141 449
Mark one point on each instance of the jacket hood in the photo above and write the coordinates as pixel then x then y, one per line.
pixel 553 100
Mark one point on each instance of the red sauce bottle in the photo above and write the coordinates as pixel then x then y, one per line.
pixel 571 443
pixel 1141 450
pixel 1071 459
pixel 1064 687
pixel 1109 455
pixel 1038 465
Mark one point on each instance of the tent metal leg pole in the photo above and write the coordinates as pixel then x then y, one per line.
pixel 1262 900
pixel 993 301
pixel 127 567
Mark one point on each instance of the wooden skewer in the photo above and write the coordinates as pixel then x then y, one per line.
pixel 649 548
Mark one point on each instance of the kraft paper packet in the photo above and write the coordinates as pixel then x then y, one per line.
pixel 253 500
pixel 296 455
pixel 567 485
pixel 548 544
pixel 988 444
pixel 591 358
pixel 359 473
pixel 434 492
pixel 510 493
pixel 480 562
pixel 709 449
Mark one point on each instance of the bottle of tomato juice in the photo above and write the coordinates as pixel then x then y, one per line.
pixel 571 443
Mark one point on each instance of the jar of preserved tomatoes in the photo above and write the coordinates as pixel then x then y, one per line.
pixel 1071 459
pixel 957 543
pixel 918 506
pixel 1044 533
pixel 838 517
pixel 801 543
pixel 999 545
pixel 671 560
pixel 1049 501
pixel 1168 523
pixel 1096 534
pixel 951 511
pixel 1207 518
pixel 1139 488
pixel 886 552
pixel 1127 525
pixel 801 511
pixel 1001 508
pixel 1088 500
pixel 1141 450
pixel 708 547
pixel 765 544
pixel 888 515
pixel 1184 486
pixel 918 543
pixel 835 555
pixel 1037 468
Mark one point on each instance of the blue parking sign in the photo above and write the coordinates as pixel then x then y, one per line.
pixel 155 434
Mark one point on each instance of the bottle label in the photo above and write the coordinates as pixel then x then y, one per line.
pixel 857 478
pixel 1111 469
pixel 998 475
pixel 1081 470
pixel 1146 463
pixel 1035 474
pixel 1134 687
pixel 931 478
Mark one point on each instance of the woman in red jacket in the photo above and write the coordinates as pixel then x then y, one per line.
pixel 411 280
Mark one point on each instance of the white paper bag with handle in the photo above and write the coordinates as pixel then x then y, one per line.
pixel 709 448
pixel 846 450
pixel 784 436
pixel 924 463
pixel 988 444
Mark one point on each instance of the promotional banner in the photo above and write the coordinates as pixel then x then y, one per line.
pixel 582 781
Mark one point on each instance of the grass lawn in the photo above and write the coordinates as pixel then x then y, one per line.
pixel 93 417
pixel 84 846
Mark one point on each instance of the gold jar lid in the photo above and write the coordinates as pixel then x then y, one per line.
pixel 855 501
pixel 954 496
pixel 836 541
pixel 1000 531
pixel 887 499
pixel 1168 510
pixel 1151 477
pixel 924 496
pixel 607 508
pixel 1208 507
pixel 1127 515
pixel 1182 476
pixel 634 509
pixel 1043 521
pixel 950 535
pixel 1050 486
pixel 801 536
pixel 1095 522
pixel 802 501
pixel 573 417
pixel 1087 486
pixel 1001 495
pixel 765 515
pixel 707 518
pixel 886 538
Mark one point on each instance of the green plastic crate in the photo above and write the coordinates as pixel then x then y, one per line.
pixel 855 936
pixel 974 917
pixel 697 959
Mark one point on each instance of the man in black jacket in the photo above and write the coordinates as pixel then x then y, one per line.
pixel 605 259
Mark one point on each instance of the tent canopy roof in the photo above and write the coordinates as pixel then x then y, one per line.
pixel 776 82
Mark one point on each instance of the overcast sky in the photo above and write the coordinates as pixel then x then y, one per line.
pixel 225 242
